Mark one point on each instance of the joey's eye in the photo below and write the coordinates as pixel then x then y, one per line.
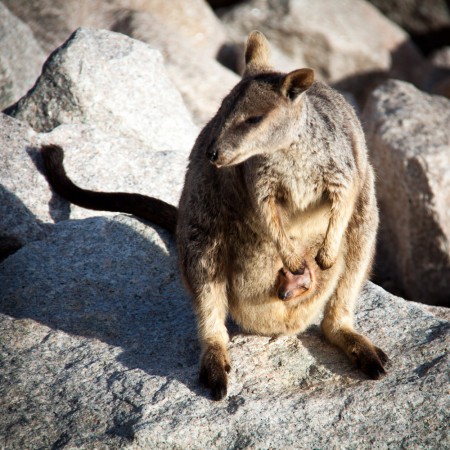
pixel 254 120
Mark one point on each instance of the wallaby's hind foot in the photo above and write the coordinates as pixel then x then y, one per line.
pixel 367 357
pixel 214 368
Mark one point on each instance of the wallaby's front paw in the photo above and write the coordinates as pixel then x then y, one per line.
pixel 295 265
pixel 213 371
pixel 324 259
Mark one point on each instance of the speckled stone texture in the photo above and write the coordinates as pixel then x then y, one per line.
pixel 99 350
pixel 21 58
pixel 22 187
pixel 201 80
pixel 112 82
pixel 409 140
pixel 338 39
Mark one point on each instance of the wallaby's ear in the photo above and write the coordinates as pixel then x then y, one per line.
pixel 296 82
pixel 257 54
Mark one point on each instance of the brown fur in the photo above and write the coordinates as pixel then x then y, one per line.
pixel 278 194
pixel 290 189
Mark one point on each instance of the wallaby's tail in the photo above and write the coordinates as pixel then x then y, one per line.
pixel 156 211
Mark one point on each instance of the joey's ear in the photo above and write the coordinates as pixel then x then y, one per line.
pixel 296 82
pixel 257 54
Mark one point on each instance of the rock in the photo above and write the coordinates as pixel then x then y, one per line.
pixel 21 58
pixel 427 22
pixel 113 83
pixel 441 58
pixel 194 22
pixel 99 350
pixel 416 16
pixel 188 34
pixel 53 21
pixel 106 162
pixel 409 140
pixel 23 190
pixel 439 311
pixel 150 157
pixel 200 79
pixel 94 160
pixel 336 39
pixel 437 79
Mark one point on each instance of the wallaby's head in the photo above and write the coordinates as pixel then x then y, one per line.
pixel 261 114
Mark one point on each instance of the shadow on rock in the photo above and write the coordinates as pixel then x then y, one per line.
pixel 59 209
pixel 18 224
pixel 327 356
pixel 115 280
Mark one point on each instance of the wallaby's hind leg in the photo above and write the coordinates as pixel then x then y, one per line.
pixel 337 323
pixel 211 310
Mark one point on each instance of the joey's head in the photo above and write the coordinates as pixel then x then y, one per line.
pixel 261 115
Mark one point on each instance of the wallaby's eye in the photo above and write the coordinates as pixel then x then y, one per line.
pixel 254 120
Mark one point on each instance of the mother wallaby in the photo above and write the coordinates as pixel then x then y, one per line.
pixel 278 217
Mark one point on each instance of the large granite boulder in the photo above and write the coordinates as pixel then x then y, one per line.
pixel 23 190
pixel 416 16
pixel 52 21
pixel 126 129
pixel 111 82
pixel 187 33
pixel 409 139
pixel 201 80
pixel 21 58
pixel 337 39
pixel 99 350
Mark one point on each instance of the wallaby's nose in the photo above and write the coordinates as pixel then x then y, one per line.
pixel 212 152
pixel 284 295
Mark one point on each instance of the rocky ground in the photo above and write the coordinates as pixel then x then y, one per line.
pixel 97 337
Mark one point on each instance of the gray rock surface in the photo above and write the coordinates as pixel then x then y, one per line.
pixel 189 35
pixel 23 190
pixel 416 16
pixel 337 39
pixel 193 21
pixel 99 350
pixel 409 138
pixel 99 155
pixel 200 79
pixel 93 158
pixel 100 161
pixel 52 21
pixel 113 83
pixel 21 58
pixel 437 79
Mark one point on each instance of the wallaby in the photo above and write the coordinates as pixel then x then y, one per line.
pixel 277 219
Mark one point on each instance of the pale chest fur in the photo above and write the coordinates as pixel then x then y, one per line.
pixel 252 278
